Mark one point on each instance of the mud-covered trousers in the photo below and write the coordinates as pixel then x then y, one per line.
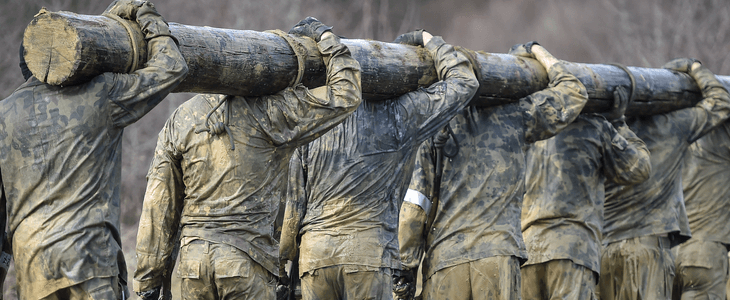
pixel 702 270
pixel 212 271
pixel 637 268
pixel 92 289
pixel 558 279
pixel 348 282
pixel 496 277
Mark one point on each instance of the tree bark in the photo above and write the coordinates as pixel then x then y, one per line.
pixel 64 48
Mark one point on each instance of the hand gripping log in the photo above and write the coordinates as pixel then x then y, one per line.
pixel 64 48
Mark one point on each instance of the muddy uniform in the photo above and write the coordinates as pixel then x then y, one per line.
pixel 225 200
pixel 701 263
pixel 562 214
pixel 60 154
pixel 356 176
pixel 643 221
pixel 476 230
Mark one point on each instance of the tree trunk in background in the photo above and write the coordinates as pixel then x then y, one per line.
pixel 64 48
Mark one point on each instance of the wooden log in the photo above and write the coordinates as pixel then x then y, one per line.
pixel 64 48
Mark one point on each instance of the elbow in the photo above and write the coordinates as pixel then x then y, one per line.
pixel 638 173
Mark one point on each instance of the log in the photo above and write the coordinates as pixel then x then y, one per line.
pixel 64 48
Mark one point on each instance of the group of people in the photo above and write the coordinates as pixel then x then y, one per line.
pixel 528 200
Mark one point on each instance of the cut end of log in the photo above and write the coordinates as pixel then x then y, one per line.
pixel 51 48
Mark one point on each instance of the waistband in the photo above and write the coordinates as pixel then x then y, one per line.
pixel 661 242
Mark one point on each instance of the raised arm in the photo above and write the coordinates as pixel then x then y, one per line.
pixel 626 158
pixel 161 210
pixel 713 109
pixel 431 108
pixel 137 93
pixel 549 111
pixel 303 115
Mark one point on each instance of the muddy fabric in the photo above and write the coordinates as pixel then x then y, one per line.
pixel 478 215
pixel 60 154
pixel 706 190
pixel 637 268
pixel 412 221
pixel 493 278
pixel 101 288
pixel 656 206
pixel 347 282
pixel 232 196
pixel 702 270
pixel 562 213
pixel 357 173
pixel 559 279
pixel 211 271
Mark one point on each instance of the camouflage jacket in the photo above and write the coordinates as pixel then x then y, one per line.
pixel 478 214
pixel 60 155
pixel 656 206
pixel 357 173
pixel 706 190
pixel 232 196
pixel 562 213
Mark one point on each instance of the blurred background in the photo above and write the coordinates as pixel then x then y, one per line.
pixel 643 33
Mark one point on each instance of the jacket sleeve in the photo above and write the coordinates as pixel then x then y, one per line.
pixel 431 108
pixel 712 110
pixel 296 204
pixel 137 93
pixel 299 115
pixel 625 158
pixel 549 111
pixel 161 209
pixel 415 209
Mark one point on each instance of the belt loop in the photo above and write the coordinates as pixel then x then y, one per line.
pixel 206 247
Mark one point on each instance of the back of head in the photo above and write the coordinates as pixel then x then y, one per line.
pixel 23 66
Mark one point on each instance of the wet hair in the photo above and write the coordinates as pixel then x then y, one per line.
pixel 23 66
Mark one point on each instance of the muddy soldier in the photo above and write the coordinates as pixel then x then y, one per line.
pixel 474 247
pixel 356 174
pixel 60 152
pixel 701 262
pixel 643 221
pixel 219 173
pixel 562 214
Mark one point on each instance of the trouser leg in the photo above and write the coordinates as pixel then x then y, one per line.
pixel 637 268
pixel 348 282
pixel 495 277
pixel 702 270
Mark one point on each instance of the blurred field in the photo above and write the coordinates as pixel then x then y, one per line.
pixel 639 33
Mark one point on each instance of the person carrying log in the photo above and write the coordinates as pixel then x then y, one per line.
pixel 353 179
pixel 219 174
pixel 562 212
pixel 464 200
pixel 60 158
pixel 642 222
pixel 701 263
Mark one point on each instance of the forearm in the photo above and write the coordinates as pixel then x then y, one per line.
pixel 158 223
pixel 716 100
pixel 343 73
pixel 139 92
pixel 549 111
pixel 634 164
pixel 440 102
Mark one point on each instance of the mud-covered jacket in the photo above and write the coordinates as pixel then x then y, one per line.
pixel 60 158
pixel 357 173
pixel 232 196
pixel 481 190
pixel 562 212
pixel 656 206
pixel 705 176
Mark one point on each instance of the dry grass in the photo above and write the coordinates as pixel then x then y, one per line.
pixel 640 33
